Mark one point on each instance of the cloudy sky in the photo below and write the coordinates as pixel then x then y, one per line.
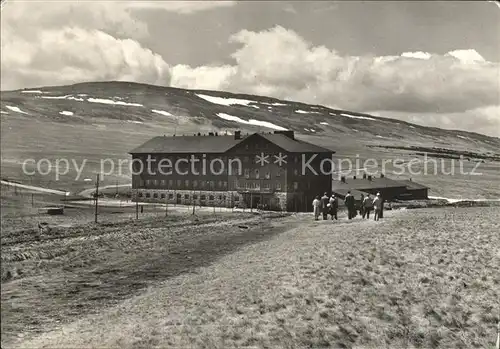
pixel 435 63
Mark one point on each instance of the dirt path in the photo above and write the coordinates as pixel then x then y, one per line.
pixel 80 270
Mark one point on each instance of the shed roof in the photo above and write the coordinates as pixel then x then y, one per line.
pixel 412 185
pixel 356 193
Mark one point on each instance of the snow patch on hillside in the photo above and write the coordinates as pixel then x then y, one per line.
pixel 307 112
pixel 110 101
pixel 227 101
pixel 67 113
pixel 3 112
pixel 135 122
pixel 32 91
pixel 70 97
pixel 357 117
pixel 274 104
pixel 250 122
pixel 463 137
pixel 15 109
pixel 161 112
pixel 323 123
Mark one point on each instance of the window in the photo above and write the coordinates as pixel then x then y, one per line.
pixel 268 175
pixel 162 196
pixel 246 159
pixel 308 185
pixel 220 184
pixel 256 185
pixel 296 172
pixel 224 197
pixel 266 185
pixel 148 195
pixel 155 182
pixel 247 173
pixel 278 174
pixel 140 194
pixel 202 184
pixel 170 183
pixel 236 198
pixel 296 159
pixel 203 197
pixel 266 146
pixel 148 182
pixel 256 145
pixel 212 184
pixel 155 195
pixel 278 185
pixel 186 183
pixel 170 196
pixel 220 197
pixel 179 183
pixel 163 182
pixel 179 196
pixel 247 185
pixel 295 185
pixel 247 146
pixel 195 183
pixel 186 196
pixel 225 184
pixel 257 174
pixel 195 197
pixel 211 198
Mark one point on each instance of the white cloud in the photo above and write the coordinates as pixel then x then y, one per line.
pixel 63 56
pixel 184 7
pixel 416 83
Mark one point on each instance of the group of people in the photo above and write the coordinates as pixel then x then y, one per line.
pixel 329 206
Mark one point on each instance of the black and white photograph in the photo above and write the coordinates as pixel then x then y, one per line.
pixel 250 174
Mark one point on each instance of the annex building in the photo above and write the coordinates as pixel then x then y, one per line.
pixel 274 170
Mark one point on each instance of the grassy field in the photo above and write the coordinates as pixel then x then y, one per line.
pixel 416 279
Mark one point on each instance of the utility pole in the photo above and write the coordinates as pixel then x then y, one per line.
pixel 96 196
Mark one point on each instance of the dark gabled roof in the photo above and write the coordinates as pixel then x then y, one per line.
pixel 365 184
pixel 220 144
pixel 187 144
pixel 294 145
pixel 356 193
pixel 412 185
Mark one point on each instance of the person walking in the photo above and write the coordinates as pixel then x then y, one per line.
pixel 367 206
pixel 316 206
pixel 350 203
pixel 361 207
pixel 324 206
pixel 334 205
pixel 377 204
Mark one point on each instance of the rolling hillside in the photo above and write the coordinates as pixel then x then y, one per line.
pixel 100 120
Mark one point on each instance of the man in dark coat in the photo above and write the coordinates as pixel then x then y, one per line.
pixel 350 204
pixel 324 206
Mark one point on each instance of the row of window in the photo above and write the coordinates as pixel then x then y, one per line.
pixel 220 184
pixel 186 196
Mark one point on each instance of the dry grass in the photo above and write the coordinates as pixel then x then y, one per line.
pixel 417 279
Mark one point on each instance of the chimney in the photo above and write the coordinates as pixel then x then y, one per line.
pixel 353 177
pixel 199 134
pixel 216 134
pixel 381 175
pixel 237 134
pixel 342 179
pixel 364 175
pixel 288 133
pixel 369 178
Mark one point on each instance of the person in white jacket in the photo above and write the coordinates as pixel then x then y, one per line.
pixel 377 204
pixel 317 207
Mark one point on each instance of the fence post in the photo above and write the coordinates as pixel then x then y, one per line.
pixel 136 207
pixel 96 196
